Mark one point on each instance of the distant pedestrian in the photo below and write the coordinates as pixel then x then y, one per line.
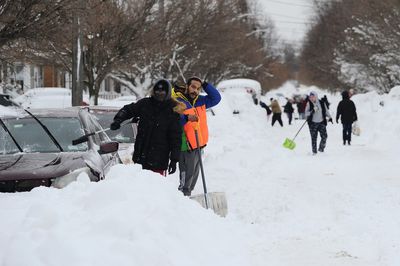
pixel 346 110
pixel 316 114
pixel 254 97
pixel 301 107
pixel 266 107
pixel 288 109
pixel 325 100
pixel 276 113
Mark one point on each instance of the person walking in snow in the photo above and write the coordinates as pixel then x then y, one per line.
pixel 266 107
pixel 194 120
pixel 158 141
pixel 325 100
pixel 301 107
pixel 254 97
pixel 288 109
pixel 316 115
pixel 276 112
pixel 346 110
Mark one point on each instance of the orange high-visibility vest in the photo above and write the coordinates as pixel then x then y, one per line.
pixel 200 126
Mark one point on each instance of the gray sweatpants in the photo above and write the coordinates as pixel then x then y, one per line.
pixel 189 168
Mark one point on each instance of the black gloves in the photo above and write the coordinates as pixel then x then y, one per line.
pixel 172 167
pixel 330 120
pixel 115 125
pixel 204 84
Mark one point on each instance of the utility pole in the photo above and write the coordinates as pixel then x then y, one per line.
pixel 77 67
pixel 161 10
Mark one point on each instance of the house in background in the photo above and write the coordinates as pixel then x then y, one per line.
pixel 20 77
pixel 27 76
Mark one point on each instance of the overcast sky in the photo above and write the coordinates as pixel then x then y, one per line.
pixel 291 17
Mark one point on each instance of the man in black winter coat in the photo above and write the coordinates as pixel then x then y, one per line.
pixel 159 134
pixel 288 109
pixel 347 111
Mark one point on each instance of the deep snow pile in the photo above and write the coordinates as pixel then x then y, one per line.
pixel 134 217
pixel 286 208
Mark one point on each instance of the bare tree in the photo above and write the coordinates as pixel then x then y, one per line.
pixel 31 20
pixel 206 38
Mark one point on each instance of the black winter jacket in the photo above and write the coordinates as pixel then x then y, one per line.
pixel 159 132
pixel 288 108
pixel 347 111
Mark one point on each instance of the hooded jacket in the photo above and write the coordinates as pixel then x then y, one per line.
pixel 197 107
pixel 346 110
pixel 316 112
pixel 159 130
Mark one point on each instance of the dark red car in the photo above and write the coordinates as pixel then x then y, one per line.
pixel 36 148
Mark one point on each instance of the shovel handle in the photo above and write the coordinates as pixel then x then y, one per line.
pixel 203 178
pixel 299 130
pixel 82 139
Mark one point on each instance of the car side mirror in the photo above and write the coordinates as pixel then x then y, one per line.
pixel 109 147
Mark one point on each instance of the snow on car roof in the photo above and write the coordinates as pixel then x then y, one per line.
pixel 41 112
pixel 11 111
pixel 240 84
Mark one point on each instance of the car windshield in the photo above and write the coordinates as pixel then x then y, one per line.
pixel 124 135
pixel 32 138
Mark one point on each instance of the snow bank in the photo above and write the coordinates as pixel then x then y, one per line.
pixel 134 217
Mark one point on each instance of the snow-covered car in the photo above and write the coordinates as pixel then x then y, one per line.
pixel 125 135
pixel 237 89
pixel 36 148
pixel 5 100
pixel 52 97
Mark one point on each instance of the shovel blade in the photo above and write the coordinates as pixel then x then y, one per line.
pixel 216 201
pixel 289 144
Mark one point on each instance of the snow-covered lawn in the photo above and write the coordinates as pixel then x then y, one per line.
pixel 286 208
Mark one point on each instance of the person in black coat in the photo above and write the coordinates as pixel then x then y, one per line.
pixel 288 109
pixel 159 134
pixel 347 111
pixel 325 100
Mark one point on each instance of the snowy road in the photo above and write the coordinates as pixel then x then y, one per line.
pixel 337 208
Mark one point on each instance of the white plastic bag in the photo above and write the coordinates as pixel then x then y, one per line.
pixel 356 129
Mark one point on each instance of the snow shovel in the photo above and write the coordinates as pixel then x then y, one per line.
pixel 85 137
pixel 214 200
pixel 289 143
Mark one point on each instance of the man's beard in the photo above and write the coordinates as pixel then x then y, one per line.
pixel 193 95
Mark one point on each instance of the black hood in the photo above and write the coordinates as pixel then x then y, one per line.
pixel 345 95
pixel 165 85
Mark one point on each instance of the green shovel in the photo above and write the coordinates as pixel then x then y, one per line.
pixel 289 143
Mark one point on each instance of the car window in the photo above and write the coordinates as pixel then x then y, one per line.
pixel 30 135
pixel 65 129
pixel 7 145
pixel 32 138
pixel 94 126
pixel 124 135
